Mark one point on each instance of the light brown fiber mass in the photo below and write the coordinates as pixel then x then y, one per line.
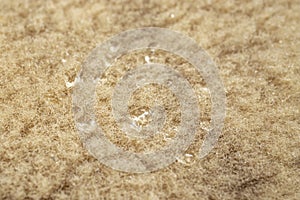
pixel 256 46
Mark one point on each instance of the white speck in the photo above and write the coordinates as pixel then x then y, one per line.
pixel 147 59
pixel 63 60
pixel 167 137
pixel 180 160
pixel 188 155
pixel 169 82
pixel 204 89
pixel 113 48
pixel 70 84
pixel 172 15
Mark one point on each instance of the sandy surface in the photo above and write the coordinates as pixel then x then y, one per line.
pixel 255 46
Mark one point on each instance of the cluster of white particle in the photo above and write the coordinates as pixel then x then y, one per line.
pixel 141 120
pixel 149 122
pixel 186 159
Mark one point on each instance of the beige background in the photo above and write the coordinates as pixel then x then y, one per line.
pixel 256 47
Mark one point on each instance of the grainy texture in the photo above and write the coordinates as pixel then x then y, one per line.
pixel 256 47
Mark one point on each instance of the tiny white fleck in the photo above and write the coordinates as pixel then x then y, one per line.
pixel 188 155
pixel 204 89
pixel 147 59
pixel 113 48
pixel 180 160
pixel 172 15
pixel 63 60
pixel 70 84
